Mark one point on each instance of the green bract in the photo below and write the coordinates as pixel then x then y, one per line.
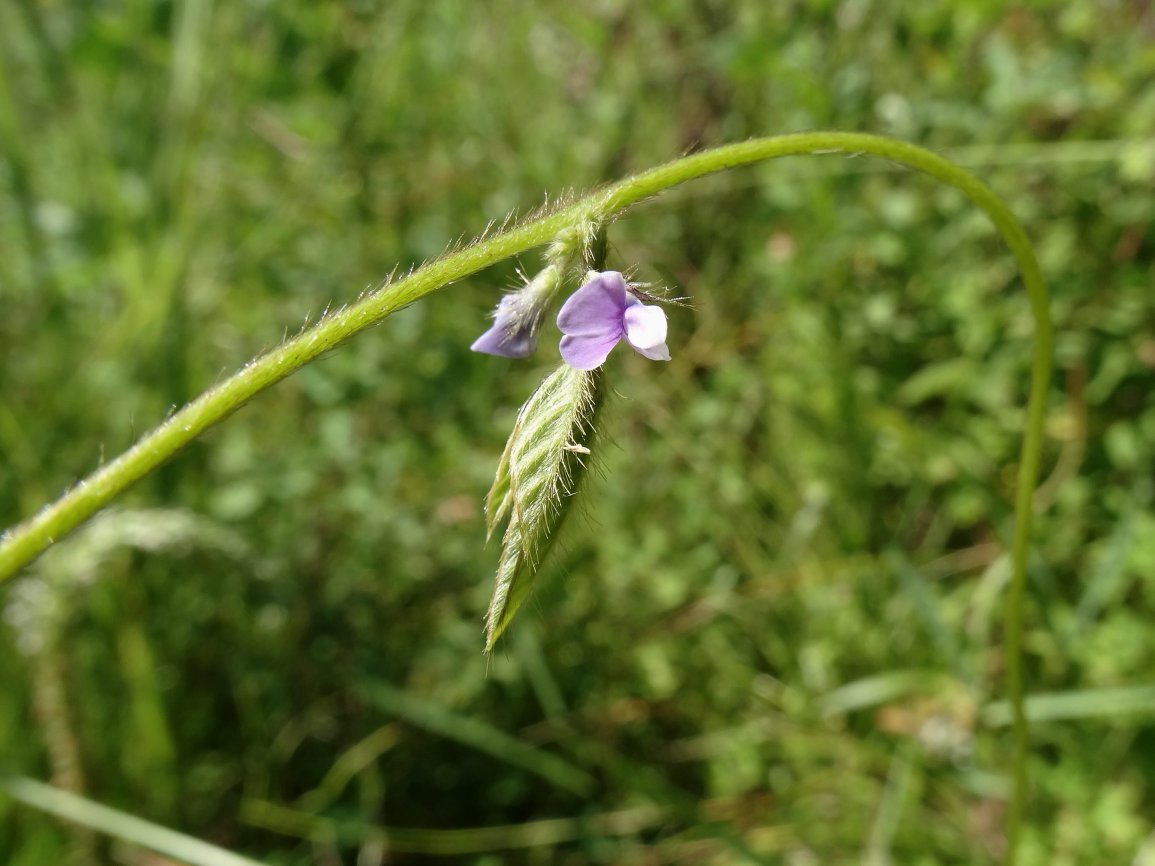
pixel 540 469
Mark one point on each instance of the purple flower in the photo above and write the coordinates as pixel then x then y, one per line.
pixel 512 335
pixel 603 311
pixel 517 317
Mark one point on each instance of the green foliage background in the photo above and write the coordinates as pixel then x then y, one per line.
pixel 781 610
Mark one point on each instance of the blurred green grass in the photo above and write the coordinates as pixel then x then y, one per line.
pixel 781 609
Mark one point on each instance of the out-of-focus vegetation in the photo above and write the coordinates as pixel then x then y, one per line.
pixel 778 621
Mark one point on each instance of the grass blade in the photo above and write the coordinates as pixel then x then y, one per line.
pixel 119 825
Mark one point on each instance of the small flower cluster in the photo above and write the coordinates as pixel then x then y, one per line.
pixel 599 315
pixel 547 453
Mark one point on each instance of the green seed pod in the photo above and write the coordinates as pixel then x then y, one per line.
pixel 539 471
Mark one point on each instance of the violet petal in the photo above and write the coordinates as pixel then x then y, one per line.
pixel 587 352
pixel 498 340
pixel 513 333
pixel 595 310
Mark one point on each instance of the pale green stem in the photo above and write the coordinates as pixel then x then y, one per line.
pixel 119 825
pixel 25 542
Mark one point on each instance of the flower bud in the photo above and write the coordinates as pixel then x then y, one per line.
pixel 518 316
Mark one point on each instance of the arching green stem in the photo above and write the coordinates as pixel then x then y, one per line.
pixel 25 542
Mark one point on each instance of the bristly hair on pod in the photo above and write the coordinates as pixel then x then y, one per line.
pixel 539 472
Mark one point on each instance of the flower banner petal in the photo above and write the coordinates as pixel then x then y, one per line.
pixel 596 308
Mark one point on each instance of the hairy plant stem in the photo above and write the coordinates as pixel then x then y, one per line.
pixel 25 542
